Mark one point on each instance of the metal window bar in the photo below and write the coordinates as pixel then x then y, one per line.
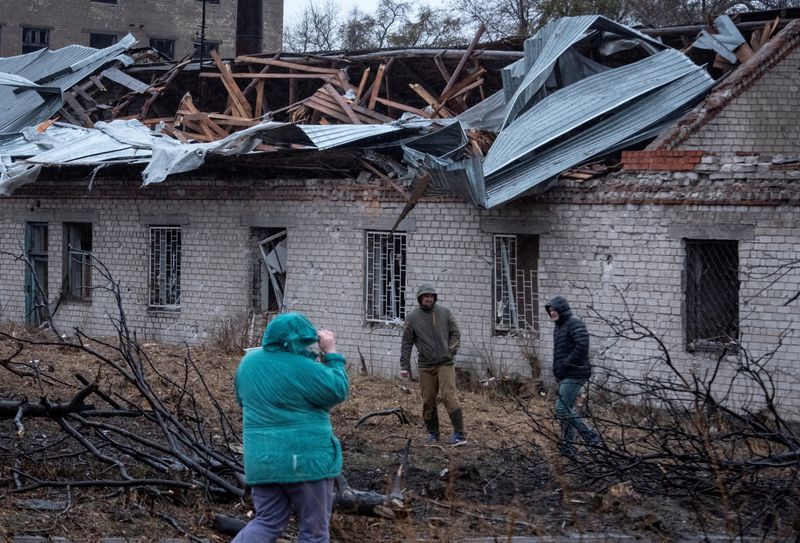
pixel 712 293
pixel 516 294
pixel 385 276
pixel 165 267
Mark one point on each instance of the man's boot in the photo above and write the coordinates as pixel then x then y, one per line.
pixel 432 425
pixel 458 437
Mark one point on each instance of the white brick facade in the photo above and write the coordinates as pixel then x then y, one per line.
pixel 593 247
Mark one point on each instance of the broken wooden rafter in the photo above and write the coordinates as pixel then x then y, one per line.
pixel 288 65
pixel 403 107
pixel 464 58
pixel 239 102
pixel 388 180
pixel 376 86
pixel 340 100
pixel 435 105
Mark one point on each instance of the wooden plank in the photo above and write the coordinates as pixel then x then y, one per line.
pixel 98 83
pixel 442 68
pixel 465 82
pixel 290 65
pixel 403 107
pixel 371 114
pixel 259 97
pixel 314 103
pixel 362 84
pixel 77 108
pixel 240 103
pixel 376 86
pixel 389 181
pixel 464 58
pixel 425 95
pixel 342 103
pixel 259 75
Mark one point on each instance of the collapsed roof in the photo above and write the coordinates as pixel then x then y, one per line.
pixel 505 123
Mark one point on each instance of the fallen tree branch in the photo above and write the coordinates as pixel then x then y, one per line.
pixel 401 415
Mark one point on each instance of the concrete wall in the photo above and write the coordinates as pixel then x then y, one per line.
pixel 71 22
pixel 603 245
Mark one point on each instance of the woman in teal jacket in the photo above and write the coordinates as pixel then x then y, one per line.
pixel 291 456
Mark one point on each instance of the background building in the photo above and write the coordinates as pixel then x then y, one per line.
pixel 172 27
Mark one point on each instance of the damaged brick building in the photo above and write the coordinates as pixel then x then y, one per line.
pixel 687 221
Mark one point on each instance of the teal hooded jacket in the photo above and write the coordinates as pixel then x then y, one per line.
pixel 286 394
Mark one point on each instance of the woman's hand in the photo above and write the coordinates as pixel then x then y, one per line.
pixel 327 343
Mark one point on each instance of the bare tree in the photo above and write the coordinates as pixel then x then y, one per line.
pixel 503 18
pixel 316 29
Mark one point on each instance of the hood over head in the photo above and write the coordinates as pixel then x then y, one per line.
pixel 560 304
pixel 291 332
pixel 427 289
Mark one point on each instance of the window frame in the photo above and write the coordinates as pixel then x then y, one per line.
pixel 171 41
pixel 29 44
pixel 162 296
pixel 520 276
pixel 98 35
pixel 385 296
pixel 77 258
pixel 700 283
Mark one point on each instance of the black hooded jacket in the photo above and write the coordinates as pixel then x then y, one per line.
pixel 570 343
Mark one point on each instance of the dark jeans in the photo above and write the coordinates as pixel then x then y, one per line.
pixel 568 391
pixel 312 500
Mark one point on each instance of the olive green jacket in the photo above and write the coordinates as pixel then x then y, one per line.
pixel 435 333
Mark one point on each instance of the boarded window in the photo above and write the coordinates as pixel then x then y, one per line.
pixel 385 276
pixel 516 285
pixel 165 267
pixel 712 293
pixel 34 39
pixel 77 261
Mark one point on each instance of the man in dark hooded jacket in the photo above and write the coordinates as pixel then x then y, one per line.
pixel 432 328
pixel 572 370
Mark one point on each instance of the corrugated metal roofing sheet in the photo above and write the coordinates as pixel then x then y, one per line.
pixel 544 48
pixel 336 135
pixel 571 107
pixel 21 106
pixel 656 107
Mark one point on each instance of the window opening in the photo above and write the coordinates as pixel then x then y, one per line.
pixel 36 297
pixel 269 279
pixel 101 41
pixel 34 39
pixel 516 286
pixel 77 265
pixel 385 276
pixel 165 267
pixel 712 293
pixel 164 46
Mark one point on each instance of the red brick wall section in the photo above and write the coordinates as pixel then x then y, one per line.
pixel 654 161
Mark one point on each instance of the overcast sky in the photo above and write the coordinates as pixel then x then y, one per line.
pixel 293 8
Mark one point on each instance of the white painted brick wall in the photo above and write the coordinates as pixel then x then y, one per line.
pixel 446 247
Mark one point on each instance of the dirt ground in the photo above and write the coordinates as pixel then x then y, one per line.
pixel 506 481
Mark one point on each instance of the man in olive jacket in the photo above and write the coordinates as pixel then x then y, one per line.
pixel 432 328
pixel 572 369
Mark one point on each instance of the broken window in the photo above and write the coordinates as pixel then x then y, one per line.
pixel 269 279
pixel 36 269
pixel 34 39
pixel 516 285
pixel 164 46
pixel 385 276
pixel 712 293
pixel 101 41
pixel 165 267
pixel 77 262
